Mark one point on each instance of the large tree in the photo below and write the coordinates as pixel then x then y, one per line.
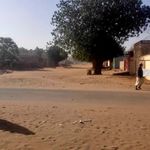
pixel 97 28
pixel 8 53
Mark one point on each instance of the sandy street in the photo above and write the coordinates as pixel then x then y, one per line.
pixel 64 109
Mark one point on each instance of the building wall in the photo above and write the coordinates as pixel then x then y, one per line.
pixel 146 64
pixel 116 62
pixel 131 62
pixel 132 67
pixel 141 49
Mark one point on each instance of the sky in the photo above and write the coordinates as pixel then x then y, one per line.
pixel 27 22
pixel 144 36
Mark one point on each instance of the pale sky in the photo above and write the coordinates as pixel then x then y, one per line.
pixel 143 36
pixel 27 22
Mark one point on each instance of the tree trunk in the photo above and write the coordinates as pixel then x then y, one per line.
pixel 97 66
pixel 111 64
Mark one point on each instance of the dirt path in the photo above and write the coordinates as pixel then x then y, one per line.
pixel 82 96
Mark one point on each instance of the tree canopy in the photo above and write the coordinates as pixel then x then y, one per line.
pixel 98 28
pixel 8 52
pixel 55 55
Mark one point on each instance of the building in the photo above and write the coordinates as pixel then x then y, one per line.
pixel 123 63
pixel 141 54
pixel 131 60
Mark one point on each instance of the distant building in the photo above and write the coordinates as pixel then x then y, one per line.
pixel 131 60
pixel 142 54
pixel 122 63
pixel 117 62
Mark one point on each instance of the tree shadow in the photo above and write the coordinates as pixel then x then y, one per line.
pixel 125 73
pixel 32 69
pixel 5 71
pixel 75 67
pixel 14 128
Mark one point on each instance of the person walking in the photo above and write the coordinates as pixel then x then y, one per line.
pixel 139 77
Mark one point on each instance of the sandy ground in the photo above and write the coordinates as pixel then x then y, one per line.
pixel 67 78
pixel 72 125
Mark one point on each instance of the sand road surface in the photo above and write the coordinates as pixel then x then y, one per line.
pixel 63 109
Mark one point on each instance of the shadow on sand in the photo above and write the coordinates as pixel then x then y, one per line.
pixel 122 73
pixel 14 128
pixel 74 67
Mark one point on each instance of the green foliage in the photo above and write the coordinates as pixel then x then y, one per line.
pixel 81 55
pixel 97 28
pixel 41 56
pixel 55 55
pixel 8 53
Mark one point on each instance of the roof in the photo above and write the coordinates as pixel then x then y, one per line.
pixel 142 42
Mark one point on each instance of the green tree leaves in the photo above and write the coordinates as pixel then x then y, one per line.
pixel 98 27
pixel 79 22
pixel 55 55
pixel 8 53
